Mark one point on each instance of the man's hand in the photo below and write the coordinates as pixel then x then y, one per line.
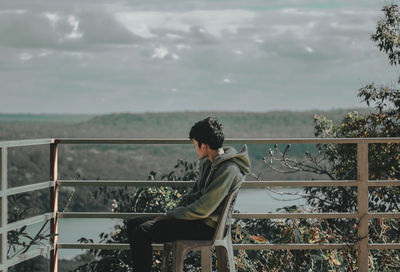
pixel 161 217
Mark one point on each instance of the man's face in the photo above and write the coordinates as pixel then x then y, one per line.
pixel 201 151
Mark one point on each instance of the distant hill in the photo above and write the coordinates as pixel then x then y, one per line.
pixel 26 117
pixel 236 124
pixel 171 124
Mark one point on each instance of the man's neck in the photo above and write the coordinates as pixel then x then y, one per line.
pixel 214 153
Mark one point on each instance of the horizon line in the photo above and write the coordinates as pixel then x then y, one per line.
pixel 179 111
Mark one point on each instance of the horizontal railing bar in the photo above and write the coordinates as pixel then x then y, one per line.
pixel 228 141
pixel 104 215
pixel 122 183
pixel 311 215
pixel 29 221
pixel 246 184
pixel 30 187
pixel 112 246
pixel 298 183
pixel 293 215
pixel 312 140
pixel 235 215
pixel 383 215
pixel 383 183
pixel 103 246
pixel 290 246
pixel 30 142
pixel 28 255
pixel 123 141
pixel 384 246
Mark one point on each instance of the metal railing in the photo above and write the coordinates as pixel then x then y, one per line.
pixel 362 183
pixel 5 227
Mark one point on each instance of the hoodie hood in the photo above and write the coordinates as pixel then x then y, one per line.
pixel 241 158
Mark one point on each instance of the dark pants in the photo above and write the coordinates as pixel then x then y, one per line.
pixel 143 231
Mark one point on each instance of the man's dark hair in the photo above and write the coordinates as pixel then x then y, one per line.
pixel 208 131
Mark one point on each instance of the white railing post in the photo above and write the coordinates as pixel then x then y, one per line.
pixel 4 208
pixel 54 207
pixel 362 199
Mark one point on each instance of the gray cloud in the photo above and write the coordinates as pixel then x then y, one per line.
pixel 81 30
pixel 102 28
pixel 26 30
pixel 317 36
pixel 84 56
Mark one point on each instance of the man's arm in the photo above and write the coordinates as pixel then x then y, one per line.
pixel 194 192
pixel 190 196
pixel 216 192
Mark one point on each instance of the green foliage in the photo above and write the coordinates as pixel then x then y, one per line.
pixel 291 231
pixel 388 32
pixel 383 158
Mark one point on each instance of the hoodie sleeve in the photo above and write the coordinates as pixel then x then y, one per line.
pixel 190 196
pixel 215 193
pixel 193 193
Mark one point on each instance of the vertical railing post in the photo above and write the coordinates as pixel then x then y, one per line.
pixel 362 198
pixel 54 206
pixel 4 208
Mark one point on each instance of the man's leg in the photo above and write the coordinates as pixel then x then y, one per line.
pixel 164 231
pixel 131 229
pixel 133 223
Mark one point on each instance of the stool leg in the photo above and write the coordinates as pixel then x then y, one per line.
pixel 179 254
pixel 205 259
pixel 231 256
pixel 222 259
pixel 165 260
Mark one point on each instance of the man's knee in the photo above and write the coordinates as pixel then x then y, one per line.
pixel 138 229
pixel 131 224
pixel 131 227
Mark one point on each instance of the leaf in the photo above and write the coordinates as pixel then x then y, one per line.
pixel 259 239
pixel 380 220
pixel 335 261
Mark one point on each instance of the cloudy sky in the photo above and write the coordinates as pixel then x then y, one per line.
pixel 67 56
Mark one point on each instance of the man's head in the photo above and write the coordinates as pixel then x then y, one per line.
pixel 208 132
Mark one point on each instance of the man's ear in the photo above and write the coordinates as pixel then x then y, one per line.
pixel 205 147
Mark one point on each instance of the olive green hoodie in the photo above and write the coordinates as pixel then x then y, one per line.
pixel 215 182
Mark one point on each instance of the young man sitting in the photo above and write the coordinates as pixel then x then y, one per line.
pixel 196 217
